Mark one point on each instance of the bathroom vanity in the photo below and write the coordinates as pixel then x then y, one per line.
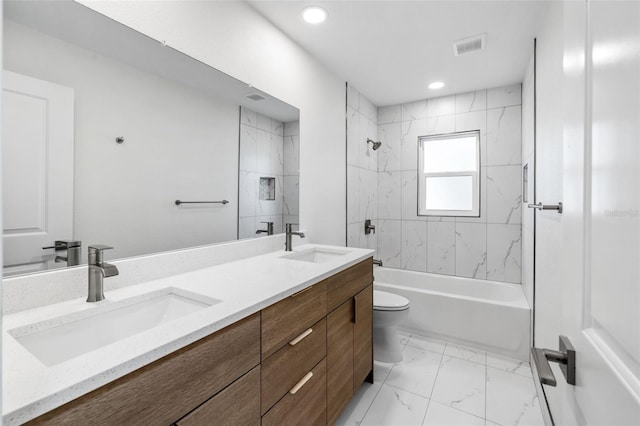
pixel 293 352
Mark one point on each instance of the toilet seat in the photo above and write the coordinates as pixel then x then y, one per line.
pixel 384 301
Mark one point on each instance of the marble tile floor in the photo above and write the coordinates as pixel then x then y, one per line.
pixel 441 383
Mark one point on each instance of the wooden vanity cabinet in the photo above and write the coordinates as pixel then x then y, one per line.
pixel 340 360
pixel 164 391
pixel 307 406
pixel 283 321
pixel 284 369
pixel 297 362
pixel 294 346
pixel 237 404
pixel 363 337
pixel 349 336
pixel 348 327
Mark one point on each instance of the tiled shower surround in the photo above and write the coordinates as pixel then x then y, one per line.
pixel 268 149
pixel 362 170
pixel 487 247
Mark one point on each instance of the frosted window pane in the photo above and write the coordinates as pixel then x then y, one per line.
pixel 450 155
pixel 449 193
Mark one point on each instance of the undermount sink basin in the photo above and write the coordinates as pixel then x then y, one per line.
pixel 60 339
pixel 316 255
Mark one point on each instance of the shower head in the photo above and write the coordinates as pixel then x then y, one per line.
pixel 376 145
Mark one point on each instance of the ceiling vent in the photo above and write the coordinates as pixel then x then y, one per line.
pixel 469 44
pixel 256 97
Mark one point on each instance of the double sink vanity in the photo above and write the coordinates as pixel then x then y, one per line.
pixel 278 338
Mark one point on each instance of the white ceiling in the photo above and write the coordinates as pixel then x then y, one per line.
pixel 79 25
pixel 389 50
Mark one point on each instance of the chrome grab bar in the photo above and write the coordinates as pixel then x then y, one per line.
pixel 541 206
pixel 178 202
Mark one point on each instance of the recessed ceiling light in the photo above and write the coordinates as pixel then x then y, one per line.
pixel 314 14
pixel 436 85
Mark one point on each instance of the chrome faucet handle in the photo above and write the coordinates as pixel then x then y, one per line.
pixel 60 245
pixel 99 247
pixel 95 253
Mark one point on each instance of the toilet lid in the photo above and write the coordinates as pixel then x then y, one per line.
pixel 384 301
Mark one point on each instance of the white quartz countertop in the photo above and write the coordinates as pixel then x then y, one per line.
pixel 31 388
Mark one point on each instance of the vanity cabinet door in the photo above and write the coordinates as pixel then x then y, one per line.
pixel 339 360
pixel 349 335
pixel 237 405
pixel 363 337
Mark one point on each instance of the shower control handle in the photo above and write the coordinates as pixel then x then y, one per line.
pixel 368 227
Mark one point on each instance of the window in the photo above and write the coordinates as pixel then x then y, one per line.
pixel 448 174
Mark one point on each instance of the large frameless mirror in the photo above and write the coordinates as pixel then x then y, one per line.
pixel 111 137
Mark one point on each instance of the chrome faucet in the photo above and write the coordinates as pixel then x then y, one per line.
pixel 72 247
pixel 287 242
pixel 98 271
pixel 268 231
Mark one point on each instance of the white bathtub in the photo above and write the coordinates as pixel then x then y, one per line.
pixel 489 315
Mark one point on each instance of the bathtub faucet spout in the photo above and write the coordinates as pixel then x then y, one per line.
pixel 377 262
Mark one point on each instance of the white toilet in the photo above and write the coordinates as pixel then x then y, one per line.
pixel 389 310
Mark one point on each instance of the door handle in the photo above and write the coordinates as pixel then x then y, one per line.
pixel 541 206
pixel 566 357
pixel 355 310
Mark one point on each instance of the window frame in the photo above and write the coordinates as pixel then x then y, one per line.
pixel 475 175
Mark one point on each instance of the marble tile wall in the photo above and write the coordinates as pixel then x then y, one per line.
pixel 268 148
pixel 362 170
pixel 291 174
pixel 488 247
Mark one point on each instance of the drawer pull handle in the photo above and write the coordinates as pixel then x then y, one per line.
pixel 300 337
pixel 301 291
pixel 301 383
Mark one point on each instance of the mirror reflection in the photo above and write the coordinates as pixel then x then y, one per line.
pixel 269 175
pixel 103 129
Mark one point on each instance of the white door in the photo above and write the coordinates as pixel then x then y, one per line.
pixel 37 171
pixel 601 219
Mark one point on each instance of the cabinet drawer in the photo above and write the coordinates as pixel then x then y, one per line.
pixel 286 319
pixel 238 404
pixel 282 370
pixel 167 389
pixel 307 407
pixel 347 283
